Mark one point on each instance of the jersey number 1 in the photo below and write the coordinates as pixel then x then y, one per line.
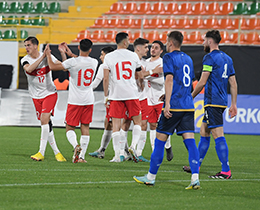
pixel 87 75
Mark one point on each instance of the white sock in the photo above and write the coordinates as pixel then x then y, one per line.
pixel 194 177
pixel 168 142
pixel 53 144
pixel 141 143
pixel 116 143
pixel 136 133
pixel 124 137
pixel 152 138
pixel 151 176
pixel 84 141
pixel 106 137
pixel 72 138
pixel 44 138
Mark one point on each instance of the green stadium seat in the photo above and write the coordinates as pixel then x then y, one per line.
pixel 23 34
pixel 25 20
pixel 28 7
pixel 2 20
pixel 54 7
pixel 239 9
pixel 38 21
pixel 252 9
pixel 15 7
pixel 12 20
pixel 9 34
pixel 4 8
pixel 41 7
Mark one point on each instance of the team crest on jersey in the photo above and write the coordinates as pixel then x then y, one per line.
pixel 40 72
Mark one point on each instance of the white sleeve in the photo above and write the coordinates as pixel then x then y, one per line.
pixel 69 63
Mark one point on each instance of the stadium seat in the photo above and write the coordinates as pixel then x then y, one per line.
pixel 223 23
pixel 0 35
pixel 209 23
pixel 15 7
pixel 171 8
pixel 225 8
pixel 183 9
pixel 28 7
pixel 234 24
pixel 41 7
pixel 194 23
pixel 54 7
pixel 23 34
pixel 9 34
pixel 163 36
pixel 212 9
pixel 168 23
pixel 2 20
pixel 224 37
pixel 252 9
pixel 142 9
pixel 110 36
pixel 4 8
pixel 250 38
pixel 100 22
pixel 153 23
pixel 97 36
pixel 136 35
pixel 194 37
pixel 12 20
pixel 115 8
pixel 129 8
pixel 112 22
pixel 138 23
pixel 38 21
pixel 151 36
pixel 84 34
pixel 239 9
pixel 156 8
pixel 126 22
pixel 233 38
pixel 25 20
pixel 197 9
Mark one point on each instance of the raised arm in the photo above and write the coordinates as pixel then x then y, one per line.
pixel 53 66
pixel 31 67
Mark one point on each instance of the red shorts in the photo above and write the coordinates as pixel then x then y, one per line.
pixel 119 108
pixel 144 109
pixel 45 105
pixel 154 113
pixel 109 118
pixel 79 114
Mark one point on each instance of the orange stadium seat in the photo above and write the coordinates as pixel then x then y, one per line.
pixel 163 36
pixel 138 23
pixel 153 23
pixel 97 36
pixel 126 22
pixel 209 23
pixel 129 8
pixel 136 35
pixel 234 24
pixel 115 8
pixel 100 22
pixel 212 8
pixel 233 38
pixel 84 34
pixel 142 9
pixel 171 8
pixel 112 22
pixel 224 37
pixel 180 23
pixel 250 24
pixel 183 9
pixel 151 36
pixel 168 22
pixel 110 36
pixel 223 23
pixel 225 8
pixel 250 38
pixel 197 9
pixel 194 23
pixel 156 8
pixel 194 37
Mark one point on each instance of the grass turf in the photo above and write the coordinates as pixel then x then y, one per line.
pixel 98 184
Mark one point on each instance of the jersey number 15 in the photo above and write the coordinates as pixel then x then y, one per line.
pixel 122 70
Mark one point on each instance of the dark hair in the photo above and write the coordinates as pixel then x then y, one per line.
pixel 33 40
pixel 140 41
pixel 121 36
pixel 160 43
pixel 85 45
pixel 215 35
pixel 107 49
pixel 177 38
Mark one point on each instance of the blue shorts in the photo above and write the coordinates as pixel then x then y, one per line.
pixel 183 122
pixel 213 116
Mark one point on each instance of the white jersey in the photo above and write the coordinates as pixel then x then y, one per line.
pixel 99 77
pixel 155 82
pixel 122 64
pixel 143 93
pixel 40 83
pixel 81 69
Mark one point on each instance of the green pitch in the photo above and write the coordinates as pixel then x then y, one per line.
pixel 98 184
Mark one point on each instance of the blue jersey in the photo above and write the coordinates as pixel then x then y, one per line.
pixel 180 65
pixel 220 66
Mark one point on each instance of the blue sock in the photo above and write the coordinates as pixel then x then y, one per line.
pixel 203 147
pixel 222 152
pixel 193 155
pixel 157 156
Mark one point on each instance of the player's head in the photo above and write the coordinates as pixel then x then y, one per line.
pixel 174 40
pixel 104 51
pixel 85 45
pixel 122 39
pixel 211 40
pixel 141 46
pixel 156 48
pixel 31 44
